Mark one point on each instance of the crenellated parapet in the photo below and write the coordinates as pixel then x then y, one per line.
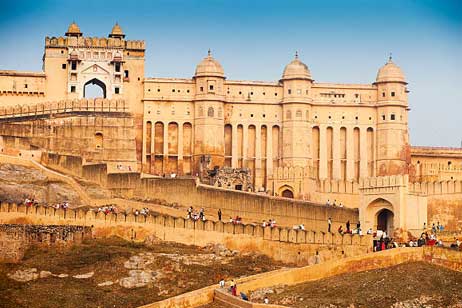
pixel 97 105
pixel 436 188
pixel 292 173
pixel 94 42
pixel 383 184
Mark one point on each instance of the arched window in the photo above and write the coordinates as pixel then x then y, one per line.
pixel 210 112
pixel 201 111
pixel 220 112
pixel 98 141
pixel 298 114
pixel 288 115
pixel 94 88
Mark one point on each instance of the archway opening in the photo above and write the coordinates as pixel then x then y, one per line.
pixel 94 88
pixel 287 193
pixel 385 221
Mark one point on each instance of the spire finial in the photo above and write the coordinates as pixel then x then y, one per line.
pixel 209 53
pixel 390 58
pixel 296 54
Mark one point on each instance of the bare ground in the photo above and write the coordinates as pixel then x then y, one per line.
pixel 184 268
pixel 409 285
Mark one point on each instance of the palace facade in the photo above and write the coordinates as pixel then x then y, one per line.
pixel 295 137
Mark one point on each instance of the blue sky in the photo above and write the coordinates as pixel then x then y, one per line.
pixel 340 41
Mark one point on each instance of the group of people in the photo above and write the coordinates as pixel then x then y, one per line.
pixel 30 202
pixel 107 209
pixel 236 220
pixel 270 223
pixel 435 228
pixel 347 230
pixel 144 211
pixel 194 215
pixel 233 290
pixel 334 204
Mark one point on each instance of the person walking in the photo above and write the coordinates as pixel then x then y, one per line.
pixel 219 214
pixel 329 224
pixel 348 226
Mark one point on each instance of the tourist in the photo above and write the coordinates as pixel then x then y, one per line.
pixel 335 202
pixel 348 226
pixel 201 213
pixel 244 297
pixel 329 224
pixel 266 300
pixel 328 202
pixel 425 226
pixel 273 223
pixel 340 230
pixel 222 283
pixel 219 214
pixel 421 241
pixel 263 224
pixel 302 227
pixel 433 228
pixel 317 258
pixel 233 288
pixel 340 205
pixel 369 231
pixel 231 220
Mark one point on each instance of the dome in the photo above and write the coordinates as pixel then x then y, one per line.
pixel 209 67
pixel 296 70
pixel 116 31
pixel 73 30
pixel 390 72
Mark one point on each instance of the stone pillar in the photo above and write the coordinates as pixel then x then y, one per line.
pixel 350 163
pixel 269 151
pixel 245 140
pixel 322 152
pixel 258 171
pixel 234 146
pixel 362 152
pixel 143 150
pixel 336 170
pixel 180 149
pixel 165 157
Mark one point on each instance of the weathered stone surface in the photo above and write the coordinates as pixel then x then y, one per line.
pixel 105 284
pixel 84 276
pixel 137 279
pixel 24 275
pixel 45 274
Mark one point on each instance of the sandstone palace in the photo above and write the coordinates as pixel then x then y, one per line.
pixel 289 138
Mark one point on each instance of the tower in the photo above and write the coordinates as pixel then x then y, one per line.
pixel 392 133
pixel 209 113
pixel 297 81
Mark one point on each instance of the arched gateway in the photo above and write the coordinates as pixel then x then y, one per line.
pixel 380 216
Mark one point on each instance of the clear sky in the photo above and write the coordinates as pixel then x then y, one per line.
pixel 340 41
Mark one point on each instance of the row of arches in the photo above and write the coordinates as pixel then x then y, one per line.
pixel 335 148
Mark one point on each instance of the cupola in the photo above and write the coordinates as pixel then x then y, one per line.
pixel 117 31
pixel 296 70
pixel 390 72
pixel 73 30
pixel 209 67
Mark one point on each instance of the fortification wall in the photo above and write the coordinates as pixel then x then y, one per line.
pixel 439 256
pixel 285 244
pixel 16 238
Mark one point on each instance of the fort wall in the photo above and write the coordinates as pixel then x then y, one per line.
pixel 284 244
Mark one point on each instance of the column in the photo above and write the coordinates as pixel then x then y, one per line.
pixel 322 152
pixel 336 170
pixel 269 151
pixel 350 163
pixel 165 157
pixel 363 152
pixel 143 150
pixel 257 146
pixel 245 140
pixel 180 149
pixel 234 146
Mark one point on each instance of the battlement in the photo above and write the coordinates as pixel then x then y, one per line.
pixel 436 188
pixel 94 42
pixel 63 106
pixel 384 181
pixel 291 173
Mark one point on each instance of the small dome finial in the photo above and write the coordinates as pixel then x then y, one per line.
pixel 390 58
pixel 296 54
pixel 209 52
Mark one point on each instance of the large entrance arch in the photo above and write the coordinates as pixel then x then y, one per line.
pixel 287 193
pixel 94 88
pixel 379 215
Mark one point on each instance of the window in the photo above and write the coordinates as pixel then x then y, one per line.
pixel 383 117
pixel 63 66
pixel 330 117
pixel 392 117
pixel 98 141
pixel 288 115
pixel 240 92
pixel 356 118
pixel 211 87
pixel 25 86
pixel 392 93
pixel 126 74
pixel 210 112
pixel 173 90
pixel 72 89
pixel 289 91
pixel 383 94
pixel 73 65
pixel 449 163
pixel 276 94
pixel 251 115
pixel 158 90
pixel 117 67
pixel 356 95
pixel 306 92
pixel 117 90
pixel 187 91
pixel 264 93
pixel 264 115
pixel 251 93
pixel 298 114
pixel 202 89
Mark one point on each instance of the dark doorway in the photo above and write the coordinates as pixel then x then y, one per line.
pixel 385 221
pixel 287 193
pixel 94 88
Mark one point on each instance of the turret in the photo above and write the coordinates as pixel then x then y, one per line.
pixel 392 134
pixel 209 120
pixel 297 81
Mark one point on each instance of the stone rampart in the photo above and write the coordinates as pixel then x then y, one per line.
pixel 15 238
pixel 289 245
pixel 69 106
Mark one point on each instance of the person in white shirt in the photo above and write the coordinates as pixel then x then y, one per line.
pixel 266 300
pixel 222 283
